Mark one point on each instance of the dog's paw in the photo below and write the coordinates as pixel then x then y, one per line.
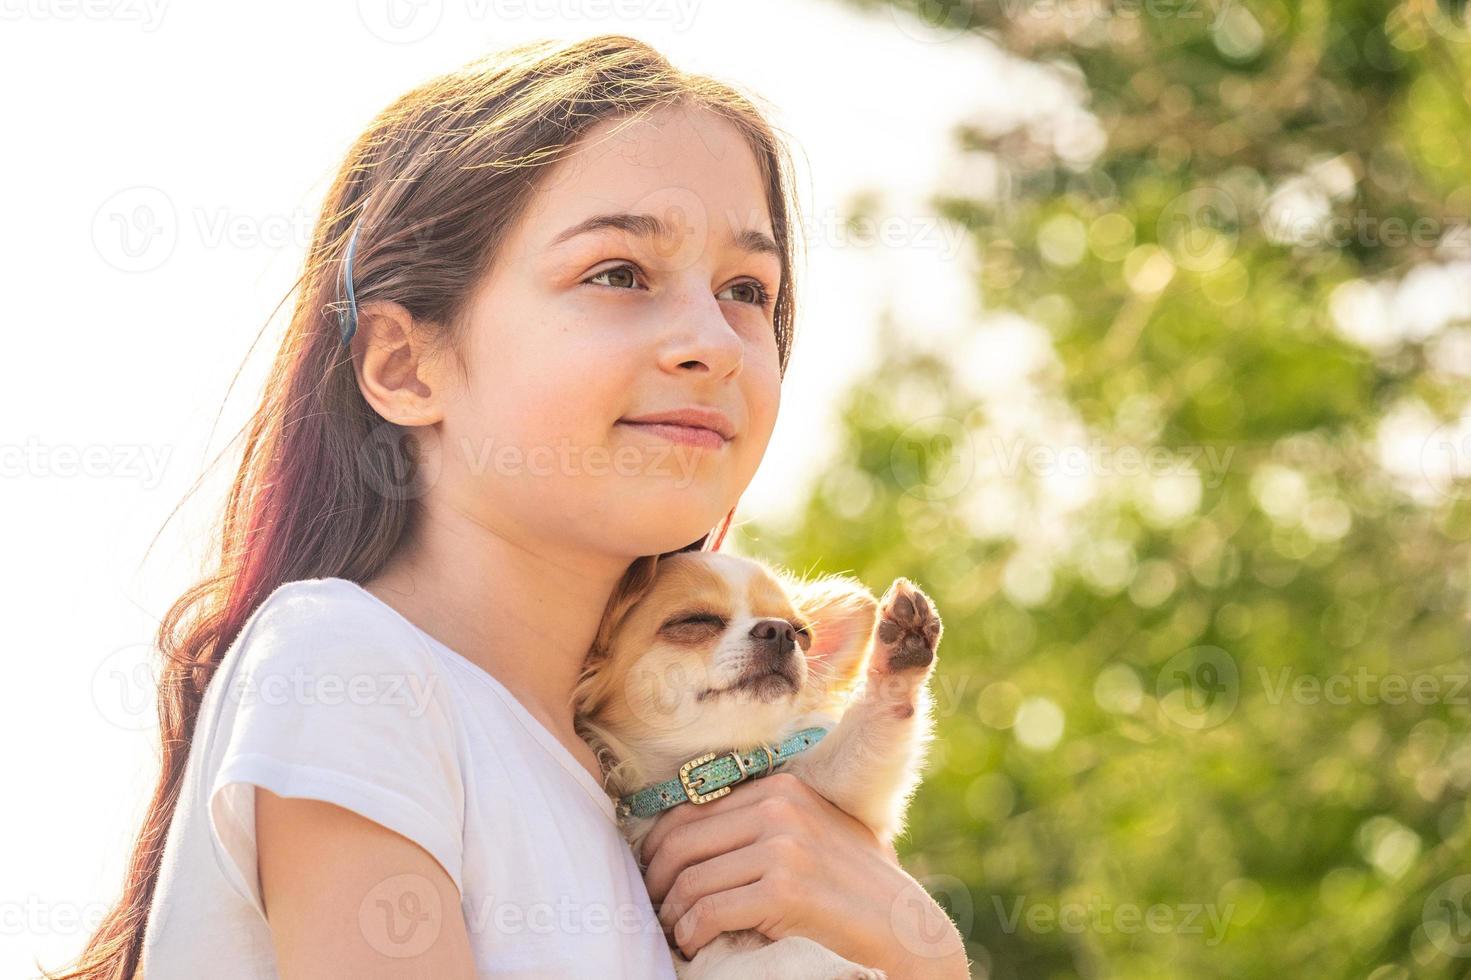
pixel 908 631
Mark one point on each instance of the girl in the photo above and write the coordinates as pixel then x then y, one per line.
pixel 464 458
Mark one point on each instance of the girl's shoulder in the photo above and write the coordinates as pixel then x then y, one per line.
pixel 307 602
pixel 329 694
pixel 328 627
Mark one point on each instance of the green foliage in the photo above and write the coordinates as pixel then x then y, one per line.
pixel 1204 716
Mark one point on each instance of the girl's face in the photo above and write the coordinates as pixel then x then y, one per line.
pixel 641 281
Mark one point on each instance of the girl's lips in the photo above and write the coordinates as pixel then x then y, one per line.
pixel 687 435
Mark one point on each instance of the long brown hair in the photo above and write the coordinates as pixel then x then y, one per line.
pixel 436 181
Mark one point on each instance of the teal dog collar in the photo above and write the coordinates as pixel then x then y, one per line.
pixel 710 776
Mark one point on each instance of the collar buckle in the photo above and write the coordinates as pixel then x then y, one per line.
pixel 692 783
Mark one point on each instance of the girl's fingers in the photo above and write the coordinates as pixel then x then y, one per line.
pixel 745 907
pixel 697 841
pixel 720 873
pixel 743 794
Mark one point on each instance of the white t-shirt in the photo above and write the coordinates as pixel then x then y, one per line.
pixel 336 696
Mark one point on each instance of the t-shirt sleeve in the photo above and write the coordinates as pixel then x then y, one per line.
pixel 334 699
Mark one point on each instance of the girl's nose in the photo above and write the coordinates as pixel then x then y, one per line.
pixel 700 337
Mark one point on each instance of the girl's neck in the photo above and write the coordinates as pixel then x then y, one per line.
pixel 523 618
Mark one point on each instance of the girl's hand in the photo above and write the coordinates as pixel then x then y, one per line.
pixel 776 856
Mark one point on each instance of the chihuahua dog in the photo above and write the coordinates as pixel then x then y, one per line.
pixel 714 652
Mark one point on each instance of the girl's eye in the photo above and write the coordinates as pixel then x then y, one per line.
pixel 618 272
pixel 757 293
pixel 625 276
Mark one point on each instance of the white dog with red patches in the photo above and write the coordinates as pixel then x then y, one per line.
pixel 723 661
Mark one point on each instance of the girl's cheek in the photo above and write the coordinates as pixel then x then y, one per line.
pixel 763 368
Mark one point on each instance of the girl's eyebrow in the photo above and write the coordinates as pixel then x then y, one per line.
pixel 750 240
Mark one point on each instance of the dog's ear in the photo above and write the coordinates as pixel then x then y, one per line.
pixel 587 692
pixel 630 589
pixel 840 613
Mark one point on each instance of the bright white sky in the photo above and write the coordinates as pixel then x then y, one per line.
pixel 219 125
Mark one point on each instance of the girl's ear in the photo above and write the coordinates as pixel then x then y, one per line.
pixel 840 614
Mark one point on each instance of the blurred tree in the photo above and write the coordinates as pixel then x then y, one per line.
pixel 1190 494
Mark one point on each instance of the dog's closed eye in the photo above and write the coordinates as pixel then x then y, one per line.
pixel 698 627
pixel 693 627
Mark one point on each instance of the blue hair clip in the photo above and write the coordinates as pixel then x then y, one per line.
pixel 347 320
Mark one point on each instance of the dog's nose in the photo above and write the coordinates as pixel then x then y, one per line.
pixel 776 638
